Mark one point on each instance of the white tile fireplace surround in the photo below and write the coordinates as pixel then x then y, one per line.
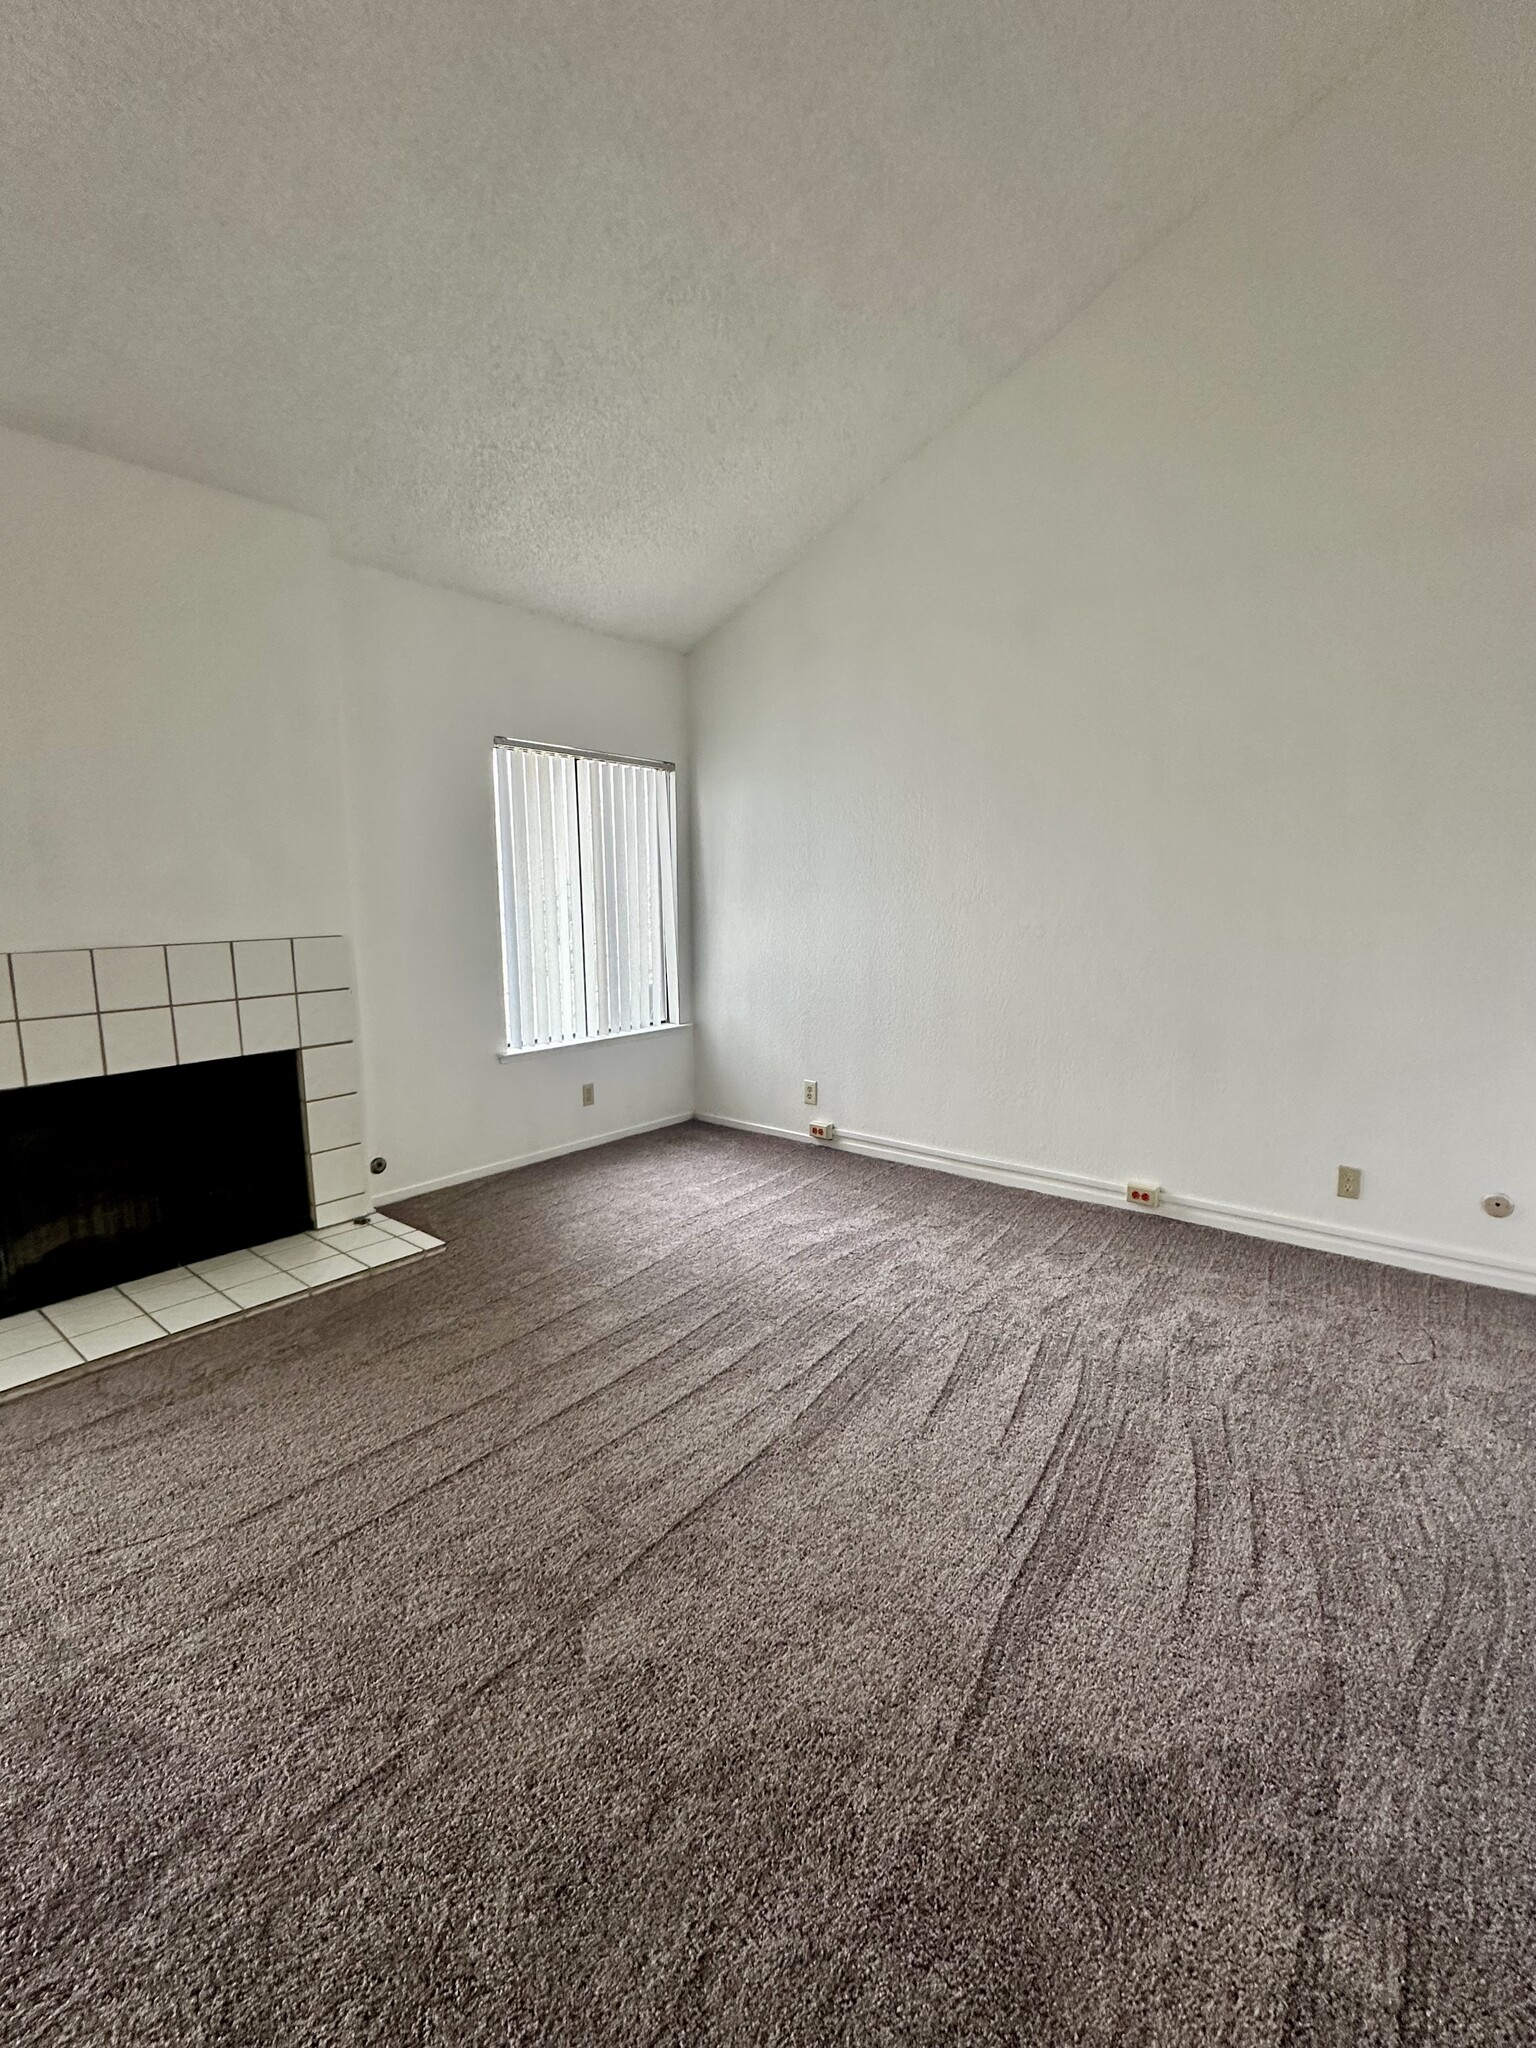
pixel 65 1016
pixel 72 1015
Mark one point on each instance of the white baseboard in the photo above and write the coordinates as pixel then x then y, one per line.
pixel 1381 1249
pixel 454 1180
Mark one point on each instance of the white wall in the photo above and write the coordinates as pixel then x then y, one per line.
pixel 177 666
pixel 1140 782
pixel 169 710
pixel 433 678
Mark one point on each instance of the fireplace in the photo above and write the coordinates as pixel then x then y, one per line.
pixel 123 1175
pixel 161 1105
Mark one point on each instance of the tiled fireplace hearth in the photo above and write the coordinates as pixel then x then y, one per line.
pixel 116 1322
pixel 107 1179
pixel 119 1009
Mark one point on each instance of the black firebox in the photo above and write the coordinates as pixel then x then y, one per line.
pixel 109 1179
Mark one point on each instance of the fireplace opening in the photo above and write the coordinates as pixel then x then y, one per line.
pixel 123 1175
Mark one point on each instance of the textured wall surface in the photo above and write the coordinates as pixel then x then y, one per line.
pixel 170 710
pixel 1139 783
pixel 607 309
pixel 433 677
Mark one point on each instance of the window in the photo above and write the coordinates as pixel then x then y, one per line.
pixel 588 861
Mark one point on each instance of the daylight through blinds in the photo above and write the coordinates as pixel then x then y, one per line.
pixel 588 867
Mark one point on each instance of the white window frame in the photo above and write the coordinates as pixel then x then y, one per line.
pixel 586 980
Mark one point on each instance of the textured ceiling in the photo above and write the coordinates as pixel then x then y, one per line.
pixel 606 308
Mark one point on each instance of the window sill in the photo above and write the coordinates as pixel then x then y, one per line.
pixel 522 1052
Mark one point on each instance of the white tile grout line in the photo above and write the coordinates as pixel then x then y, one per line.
pixel 133 1311
pixel 197 1003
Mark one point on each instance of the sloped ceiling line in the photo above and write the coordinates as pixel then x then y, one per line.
pixel 605 310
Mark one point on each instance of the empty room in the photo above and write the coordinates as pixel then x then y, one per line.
pixel 768 1023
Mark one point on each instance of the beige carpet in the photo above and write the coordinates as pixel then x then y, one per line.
pixel 744 1594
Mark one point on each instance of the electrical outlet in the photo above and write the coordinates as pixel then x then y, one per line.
pixel 1143 1194
pixel 1349 1184
pixel 810 1094
pixel 588 1094
pixel 823 1132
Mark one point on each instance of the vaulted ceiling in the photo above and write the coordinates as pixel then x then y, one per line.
pixel 606 308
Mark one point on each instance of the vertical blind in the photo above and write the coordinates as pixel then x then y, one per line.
pixel 588 864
